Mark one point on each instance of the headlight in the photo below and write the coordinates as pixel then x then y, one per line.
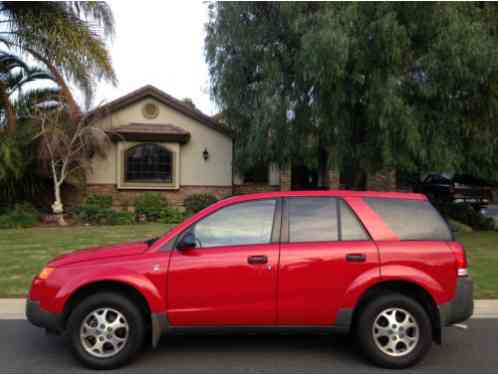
pixel 45 273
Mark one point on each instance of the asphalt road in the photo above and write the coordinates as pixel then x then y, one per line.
pixel 27 349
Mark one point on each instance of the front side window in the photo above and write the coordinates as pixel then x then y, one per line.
pixel 312 219
pixel 245 223
pixel 411 219
pixel 149 162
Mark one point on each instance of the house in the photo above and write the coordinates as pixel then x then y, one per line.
pixel 162 144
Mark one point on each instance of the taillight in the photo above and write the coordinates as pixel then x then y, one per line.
pixel 460 259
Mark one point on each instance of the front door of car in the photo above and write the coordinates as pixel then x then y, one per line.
pixel 230 276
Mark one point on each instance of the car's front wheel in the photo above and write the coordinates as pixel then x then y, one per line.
pixel 394 331
pixel 106 330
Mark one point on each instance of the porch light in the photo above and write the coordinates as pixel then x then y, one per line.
pixel 205 154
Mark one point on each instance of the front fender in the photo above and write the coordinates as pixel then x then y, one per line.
pixel 139 282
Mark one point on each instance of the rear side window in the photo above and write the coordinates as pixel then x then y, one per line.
pixel 411 219
pixel 312 219
pixel 351 228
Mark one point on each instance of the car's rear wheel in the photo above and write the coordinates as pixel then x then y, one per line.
pixel 106 330
pixel 394 331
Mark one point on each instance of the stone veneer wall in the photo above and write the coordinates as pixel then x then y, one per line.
pixel 333 181
pixel 382 181
pixel 124 199
pixel 286 179
pixel 249 188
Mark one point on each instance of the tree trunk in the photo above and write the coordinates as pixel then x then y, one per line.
pixel 10 113
pixel 57 206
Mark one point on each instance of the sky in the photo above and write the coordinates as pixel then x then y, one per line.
pixel 159 43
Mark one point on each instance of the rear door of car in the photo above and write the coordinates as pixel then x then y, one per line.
pixel 324 251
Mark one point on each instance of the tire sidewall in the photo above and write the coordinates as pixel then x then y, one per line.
pixel 135 336
pixel 366 339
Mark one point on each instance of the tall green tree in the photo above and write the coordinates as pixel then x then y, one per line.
pixel 367 86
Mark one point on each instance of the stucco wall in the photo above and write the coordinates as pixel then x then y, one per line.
pixel 193 170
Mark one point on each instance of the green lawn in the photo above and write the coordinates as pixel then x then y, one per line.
pixel 24 252
pixel 482 254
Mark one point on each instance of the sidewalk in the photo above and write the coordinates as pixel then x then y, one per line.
pixel 13 308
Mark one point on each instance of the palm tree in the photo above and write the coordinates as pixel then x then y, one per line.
pixel 67 37
pixel 14 75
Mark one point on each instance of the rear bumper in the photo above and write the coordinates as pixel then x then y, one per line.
pixel 461 307
pixel 42 318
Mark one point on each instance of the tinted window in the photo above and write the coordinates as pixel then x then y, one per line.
pixel 148 162
pixel 351 227
pixel 411 219
pixel 239 224
pixel 312 219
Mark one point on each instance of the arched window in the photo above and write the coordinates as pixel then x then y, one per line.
pixel 149 162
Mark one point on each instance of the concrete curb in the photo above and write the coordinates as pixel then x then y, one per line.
pixel 13 309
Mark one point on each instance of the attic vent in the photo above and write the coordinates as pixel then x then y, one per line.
pixel 150 110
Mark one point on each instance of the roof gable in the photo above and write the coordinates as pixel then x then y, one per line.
pixel 166 99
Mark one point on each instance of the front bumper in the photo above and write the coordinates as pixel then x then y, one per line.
pixel 461 307
pixel 39 317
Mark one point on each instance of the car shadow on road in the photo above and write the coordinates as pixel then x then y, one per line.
pixel 27 349
pixel 236 353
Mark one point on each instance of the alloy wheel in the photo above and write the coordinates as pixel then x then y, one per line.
pixel 104 332
pixel 395 332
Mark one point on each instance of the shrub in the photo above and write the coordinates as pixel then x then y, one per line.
pixel 196 202
pixel 96 210
pixel 456 226
pixel 101 201
pixel 150 205
pixel 24 215
pixel 466 214
pixel 122 218
pixel 170 215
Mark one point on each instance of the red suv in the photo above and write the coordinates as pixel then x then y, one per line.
pixel 383 266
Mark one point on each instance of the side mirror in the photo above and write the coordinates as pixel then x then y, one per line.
pixel 187 242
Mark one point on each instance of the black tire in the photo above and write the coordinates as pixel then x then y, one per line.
pixel 134 319
pixel 365 336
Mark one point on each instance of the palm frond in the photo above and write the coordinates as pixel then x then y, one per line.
pixel 70 37
pixel 36 97
pixel 98 11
